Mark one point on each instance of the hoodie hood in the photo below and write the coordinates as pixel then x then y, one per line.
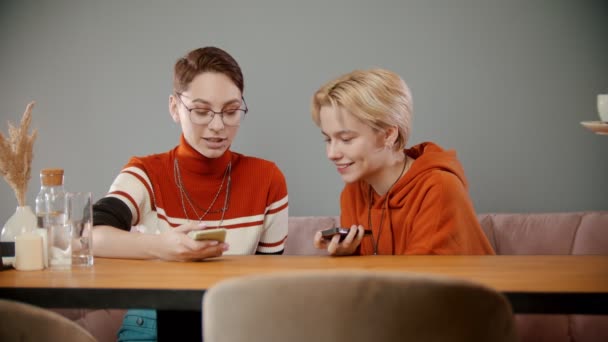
pixel 429 158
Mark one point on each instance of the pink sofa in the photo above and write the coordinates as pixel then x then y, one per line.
pixel 575 233
pixel 547 233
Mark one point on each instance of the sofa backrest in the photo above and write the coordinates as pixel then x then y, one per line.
pixel 509 233
pixel 547 233
pixel 302 230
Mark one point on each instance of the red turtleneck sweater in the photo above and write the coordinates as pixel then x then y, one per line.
pixel 257 212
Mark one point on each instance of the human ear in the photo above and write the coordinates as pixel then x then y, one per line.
pixel 390 138
pixel 173 109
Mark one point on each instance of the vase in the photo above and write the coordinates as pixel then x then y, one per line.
pixel 23 220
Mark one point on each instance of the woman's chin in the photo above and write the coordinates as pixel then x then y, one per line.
pixel 212 152
pixel 349 178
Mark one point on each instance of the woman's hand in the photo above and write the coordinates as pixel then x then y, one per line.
pixel 176 245
pixel 347 247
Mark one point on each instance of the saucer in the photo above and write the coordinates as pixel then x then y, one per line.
pixel 598 127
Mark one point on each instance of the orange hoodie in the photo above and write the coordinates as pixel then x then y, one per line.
pixel 429 210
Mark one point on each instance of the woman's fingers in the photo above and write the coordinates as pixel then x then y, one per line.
pixel 190 226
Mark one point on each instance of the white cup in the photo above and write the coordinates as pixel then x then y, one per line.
pixel 602 107
pixel 29 252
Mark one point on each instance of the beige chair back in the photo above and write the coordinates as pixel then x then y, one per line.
pixel 354 306
pixel 27 323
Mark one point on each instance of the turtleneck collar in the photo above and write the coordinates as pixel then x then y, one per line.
pixel 193 161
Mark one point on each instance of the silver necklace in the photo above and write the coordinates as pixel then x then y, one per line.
pixel 184 194
pixel 376 241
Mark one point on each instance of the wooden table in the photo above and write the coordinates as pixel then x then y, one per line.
pixel 533 284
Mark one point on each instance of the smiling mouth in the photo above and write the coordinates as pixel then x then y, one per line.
pixel 343 166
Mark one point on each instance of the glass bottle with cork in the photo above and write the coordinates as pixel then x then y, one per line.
pixel 50 205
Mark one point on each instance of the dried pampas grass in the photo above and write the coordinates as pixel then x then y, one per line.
pixel 16 155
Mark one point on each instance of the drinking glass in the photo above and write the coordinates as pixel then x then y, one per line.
pixel 80 219
pixel 70 227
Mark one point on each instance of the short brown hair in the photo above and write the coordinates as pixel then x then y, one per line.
pixel 206 59
pixel 377 97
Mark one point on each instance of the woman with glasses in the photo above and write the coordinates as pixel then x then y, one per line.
pixel 396 200
pixel 198 184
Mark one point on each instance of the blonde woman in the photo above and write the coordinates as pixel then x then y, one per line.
pixel 396 200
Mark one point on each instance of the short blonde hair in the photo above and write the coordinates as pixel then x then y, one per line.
pixel 377 97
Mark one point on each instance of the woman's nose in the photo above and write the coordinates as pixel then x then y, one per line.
pixel 216 123
pixel 333 152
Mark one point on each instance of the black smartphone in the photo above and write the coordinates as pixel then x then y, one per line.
pixel 329 233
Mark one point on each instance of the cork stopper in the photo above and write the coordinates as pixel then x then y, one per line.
pixel 51 177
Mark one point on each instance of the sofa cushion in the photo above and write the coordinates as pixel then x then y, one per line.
pixel 301 233
pixel 592 234
pixel 541 234
pixel 485 220
pixel 543 328
pixel 589 327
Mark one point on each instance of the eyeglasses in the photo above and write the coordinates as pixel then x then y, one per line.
pixel 231 116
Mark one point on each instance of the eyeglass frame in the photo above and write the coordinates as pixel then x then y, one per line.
pixel 221 113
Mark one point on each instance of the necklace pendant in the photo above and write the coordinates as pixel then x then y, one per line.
pixel 184 194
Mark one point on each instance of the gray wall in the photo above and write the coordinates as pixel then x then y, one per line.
pixel 505 83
